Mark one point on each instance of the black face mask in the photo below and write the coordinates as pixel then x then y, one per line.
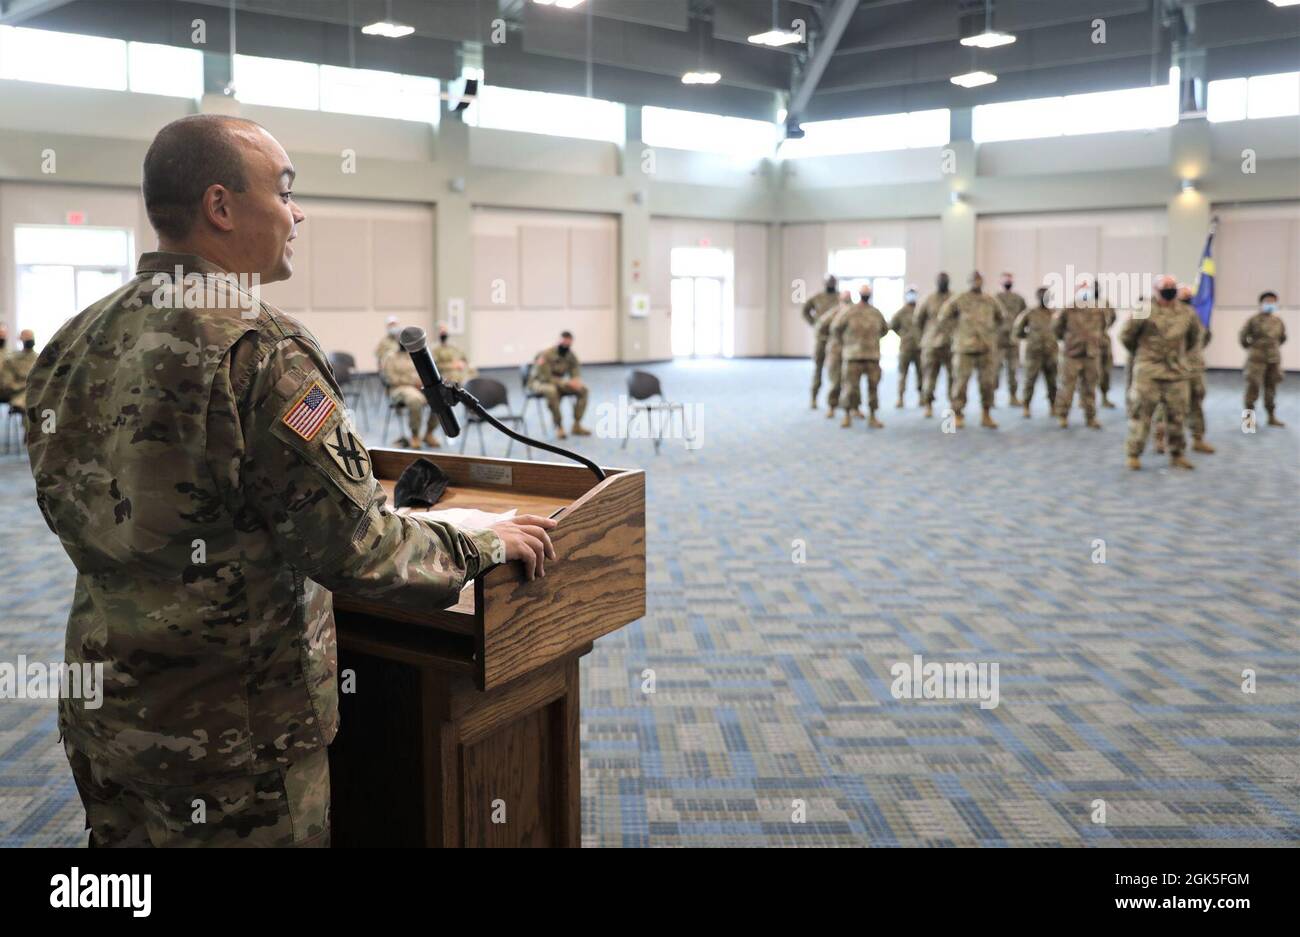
pixel 2 343
pixel 443 338
pixel 564 349
pixel 1006 284
pixel 943 285
pixel 1169 293
pixel 29 345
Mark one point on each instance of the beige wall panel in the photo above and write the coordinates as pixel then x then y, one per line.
pixel 1067 253
pixel 402 263
pixel 338 281
pixel 496 271
pixel 750 266
pixel 593 256
pixel 543 268
pixel 803 258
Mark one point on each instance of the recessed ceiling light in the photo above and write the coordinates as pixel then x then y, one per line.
pixel 388 30
pixel 991 39
pixel 973 79
pixel 775 38
pixel 1284 3
pixel 701 78
pixel 562 4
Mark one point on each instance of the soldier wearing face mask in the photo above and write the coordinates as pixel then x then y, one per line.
pixel 1035 327
pixel 904 324
pixel 1195 385
pixel 859 330
pixel 834 353
pixel 818 312
pixel 1081 328
pixel 1263 336
pixel 936 342
pixel 1158 337
pixel 14 370
pixel 389 343
pixel 1013 304
pixel 557 373
pixel 451 361
pixel 976 319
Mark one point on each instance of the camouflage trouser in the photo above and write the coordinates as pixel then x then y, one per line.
pixel 1196 405
pixel 284 807
pixel 1107 362
pixel 932 359
pixel 909 357
pixel 1010 362
pixel 1034 364
pixel 553 393
pixel 854 369
pixel 819 362
pixel 1266 375
pixel 1145 396
pixel 1082 371
pixel 983 363
pixel 413 401
pixel 834 370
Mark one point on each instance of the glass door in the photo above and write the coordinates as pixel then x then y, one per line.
pixel 697 317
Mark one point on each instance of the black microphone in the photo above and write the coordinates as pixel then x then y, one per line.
pixel 414 341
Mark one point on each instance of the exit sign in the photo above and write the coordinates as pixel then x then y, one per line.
pixel 864 242
pixel 76 217
pixel 705 242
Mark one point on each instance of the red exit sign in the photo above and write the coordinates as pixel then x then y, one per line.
pixel 76 217
pixel 864 242
pixel 705 242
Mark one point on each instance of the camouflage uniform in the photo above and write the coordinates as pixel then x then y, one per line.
pixel 1158 338
pixel 1263 336
pixel 1107 360
pixel 815 314
pixel 834 355
pixel 1035 327
pixel 403 383
pixel 936 345
pixel 1013 304
pixel 387 345
pixel 445 356
pixel 545 379
pixel 904 325
pixel 1081 330
pixel 977 319
pixel 1195 381
pixel 13 376
pixel 859 330
pixel 203 477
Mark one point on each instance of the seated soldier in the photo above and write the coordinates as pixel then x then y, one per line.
pixel 14 370
pixel 403 383
pixel 389 343
pixel 451 361
pixel 555 374
pixel 5 392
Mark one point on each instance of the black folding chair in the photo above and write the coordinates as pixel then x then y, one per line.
pixel 491 394
pixel 345 366
pixel 641 386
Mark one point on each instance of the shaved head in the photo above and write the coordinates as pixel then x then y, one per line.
pixel 187 157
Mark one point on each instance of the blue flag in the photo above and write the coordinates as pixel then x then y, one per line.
pixel 1203 301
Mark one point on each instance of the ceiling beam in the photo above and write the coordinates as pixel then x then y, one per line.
pixel 13 12
pixel 836 21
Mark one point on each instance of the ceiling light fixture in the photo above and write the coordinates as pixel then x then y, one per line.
pixel 991 39
pixel 561 4
pixel 775 38
pixel 701 78
pixel 1284 3
pixel 388 27
pixel 973 79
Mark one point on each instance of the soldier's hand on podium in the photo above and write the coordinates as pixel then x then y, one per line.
pixel 525 539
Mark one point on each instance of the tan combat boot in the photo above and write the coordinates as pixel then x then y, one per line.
pixel 814 401
pixel 830 412
pixel 1178 461
pixel 431 440
pixel 929 411
pixel 559 432
pixel 874 423
pixel 1105 402
pixel 580 430
pixel 1274 421
pixel 1092 423
pixel 899 405
pixel 848 419
pixel 1200 445
pixel 987 421
pixel 1015 401
pixel 1134 463
pixel 1064 421
pixel 1026 411
pixel 959 420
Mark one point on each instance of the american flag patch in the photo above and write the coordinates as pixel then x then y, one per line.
pixel 309 414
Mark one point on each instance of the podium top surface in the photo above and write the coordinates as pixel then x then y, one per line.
pixel 504 624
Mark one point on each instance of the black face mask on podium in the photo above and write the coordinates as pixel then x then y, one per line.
pixel 420 485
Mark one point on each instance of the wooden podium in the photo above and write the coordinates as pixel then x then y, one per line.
pixel 467 716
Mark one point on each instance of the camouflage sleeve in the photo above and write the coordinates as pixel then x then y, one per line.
pixel 949 310
pixel 896 323
pixel 1128 335
pixel 809 313
pixel 1281 336
pixel 292 460
pixel 922 316
pixel 575 366
pixel 1058 325
pixel 1020 328
pixel 1244 336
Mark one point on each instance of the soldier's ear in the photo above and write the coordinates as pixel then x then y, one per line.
pixel 216 207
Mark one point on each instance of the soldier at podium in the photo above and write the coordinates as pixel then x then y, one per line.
pixel 209 503
pixel 557 373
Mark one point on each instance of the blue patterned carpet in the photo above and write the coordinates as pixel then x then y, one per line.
pixel 772 720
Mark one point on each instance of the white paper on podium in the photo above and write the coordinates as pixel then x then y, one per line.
pixel 466 518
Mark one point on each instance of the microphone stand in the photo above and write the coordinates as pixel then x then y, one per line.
pixel 452 393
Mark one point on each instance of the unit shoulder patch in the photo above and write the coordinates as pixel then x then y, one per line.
pixel 348 453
